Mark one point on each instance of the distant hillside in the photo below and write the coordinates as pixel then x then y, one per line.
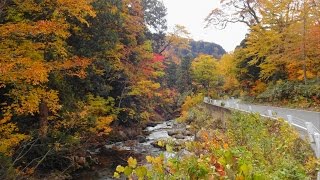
pixel 201 47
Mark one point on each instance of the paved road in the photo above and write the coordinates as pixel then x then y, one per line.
pixel 299 116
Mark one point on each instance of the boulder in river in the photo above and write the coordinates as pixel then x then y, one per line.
pixel 187 133
pixel 152 124
pixel 174 132
pixel 142 139
pixel 179 136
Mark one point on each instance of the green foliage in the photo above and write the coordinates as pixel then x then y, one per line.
pixel 204 73
pixel 293 91
pixel 274 145
pixel 252 148
pixel 201 47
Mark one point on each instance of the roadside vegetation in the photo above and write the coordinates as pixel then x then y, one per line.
pixel 249 147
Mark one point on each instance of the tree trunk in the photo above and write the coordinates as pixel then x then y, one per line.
pixel 43 118
pixel 304 56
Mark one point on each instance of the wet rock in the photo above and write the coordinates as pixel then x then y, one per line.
pixel 187 133
pixel 158 135
pixel 169 155
pixel 132 133
pixel 109 146
pixel 179 136
pixel 94 152
pixel 184 152
pixel 170 123
pixel 178 125
pixel 79 161
pixel 141 139
pixel 173 132
pixel 152 124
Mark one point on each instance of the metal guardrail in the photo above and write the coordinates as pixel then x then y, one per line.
pixel 308 127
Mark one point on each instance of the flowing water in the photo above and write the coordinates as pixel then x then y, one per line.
pixel 117 153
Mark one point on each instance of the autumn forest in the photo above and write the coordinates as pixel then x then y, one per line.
pixel 76 75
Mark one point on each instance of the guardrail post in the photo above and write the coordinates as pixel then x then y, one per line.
pixel 310 131
pixel 227 104
pixel 317 140
pixel 215 102
pixel 238 107
pixel 270 113
pixel 290 119
pixel 250 108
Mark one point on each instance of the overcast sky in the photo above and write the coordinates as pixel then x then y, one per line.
pixel 191 14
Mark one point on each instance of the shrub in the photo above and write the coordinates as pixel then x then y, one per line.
pixel 292 91
pixel 189 103
pixel 252 148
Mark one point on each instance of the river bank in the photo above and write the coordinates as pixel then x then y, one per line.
pixel 112 154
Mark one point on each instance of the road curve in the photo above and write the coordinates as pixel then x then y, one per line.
pixel 299 116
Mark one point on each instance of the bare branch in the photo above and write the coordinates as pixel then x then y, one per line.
pixel 2 5
pixel 20 156
pixel 234 11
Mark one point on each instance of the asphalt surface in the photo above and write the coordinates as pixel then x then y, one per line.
pixel 298 116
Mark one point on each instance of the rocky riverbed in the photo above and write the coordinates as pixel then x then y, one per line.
pixel 113 154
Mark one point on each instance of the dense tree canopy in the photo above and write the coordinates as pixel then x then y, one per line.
pixel 280 47
pixel 77 73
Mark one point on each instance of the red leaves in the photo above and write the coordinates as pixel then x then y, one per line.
pixel 152 66
pixel 158 58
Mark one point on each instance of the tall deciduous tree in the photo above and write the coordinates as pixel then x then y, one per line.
pixel 204 72
pixel 33 45
pixel 233 11
pixel 227 68
pixel 155 17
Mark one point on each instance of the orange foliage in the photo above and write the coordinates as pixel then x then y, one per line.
pixel 25 66
pixel 259 87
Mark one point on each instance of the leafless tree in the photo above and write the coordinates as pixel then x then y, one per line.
pixel 233 11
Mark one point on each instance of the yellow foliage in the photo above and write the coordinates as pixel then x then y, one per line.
pixel 227 68
pixel 9 138
pixel 149 159
pixel 204 71
pixel 27 101
pixel 102 126
pixel 116 175
pixel 296 73
pixel 77 8
pixel 132 162
pixel 145 116
pixel 24 64
pixel 120 169
pixel 145 88
pixel 191 101
pixel 259 87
